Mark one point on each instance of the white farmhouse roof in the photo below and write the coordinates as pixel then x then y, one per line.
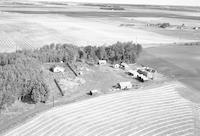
pixel 125 85
pixel 58 69
pixel 102 62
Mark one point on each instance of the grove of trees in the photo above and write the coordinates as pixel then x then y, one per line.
pixel 21 78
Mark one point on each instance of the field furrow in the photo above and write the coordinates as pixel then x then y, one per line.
pixel 157 111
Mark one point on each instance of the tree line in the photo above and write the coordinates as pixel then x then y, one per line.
pixel 115 53
pixel 21 76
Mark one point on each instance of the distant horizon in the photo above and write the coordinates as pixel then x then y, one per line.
pixel 195 3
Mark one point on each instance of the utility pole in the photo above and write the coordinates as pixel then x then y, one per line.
pixel 53 101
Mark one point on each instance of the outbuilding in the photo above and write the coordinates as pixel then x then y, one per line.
pixel 142 78
pixel 133 73
pixel 58 69
pixel 148 69
pixel 124 65
pixel 145 73
pixel 125 85
pixel 93 92
pixel 116 66
pixel 196 28
pixel 102 62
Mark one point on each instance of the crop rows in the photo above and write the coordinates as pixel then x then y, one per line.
pixel 158 112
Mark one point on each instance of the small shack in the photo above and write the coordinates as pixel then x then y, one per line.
pixel 196 28
pixel 151 70
pixel 116 66
pixel 124 65
pixel 125 85
pixel 145 73
pixel 58 69
pixel 93 92
pixel 102 62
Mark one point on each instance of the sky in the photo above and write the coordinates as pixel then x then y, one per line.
pixel 147 2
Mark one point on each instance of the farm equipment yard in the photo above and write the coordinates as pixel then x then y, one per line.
pixel 103 78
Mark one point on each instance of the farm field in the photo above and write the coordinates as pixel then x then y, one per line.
pixel 167 104
pixel 157 111
pixel 33 25
pixel 38 30
pixel 179 62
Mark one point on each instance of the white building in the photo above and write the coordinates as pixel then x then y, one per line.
pixel 142 78
pixel 145 73
pixel 196 28
pixel 133 73
pixel 94 92
pixel 125 85
pixel 102 62
pixel 124 66
pixel 58 69
pixel 116 66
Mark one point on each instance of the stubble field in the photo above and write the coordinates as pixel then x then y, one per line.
pixel 158 111
pixel 27 27
pixel 168 109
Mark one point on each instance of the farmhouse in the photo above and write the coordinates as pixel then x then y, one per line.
pixel 58 69
pixel 125 85
pixel 93 92
pixel 102 62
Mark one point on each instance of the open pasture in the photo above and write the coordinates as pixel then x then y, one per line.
pixel 158 111
pixel 33 25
